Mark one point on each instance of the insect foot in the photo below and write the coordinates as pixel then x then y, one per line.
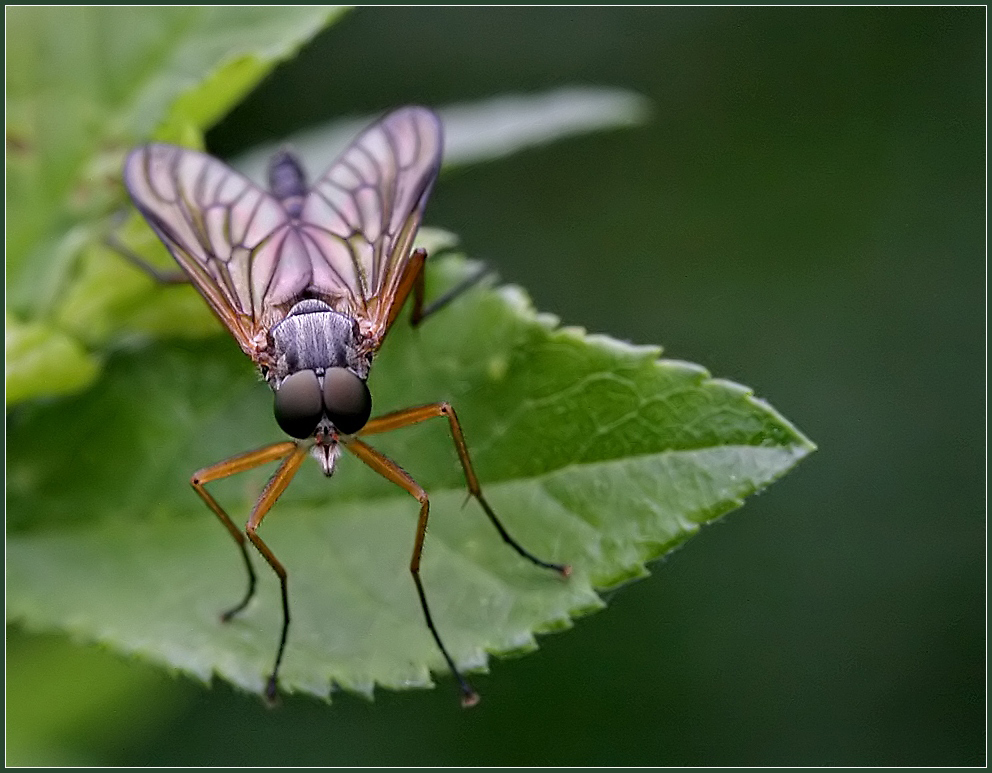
pixel 272 699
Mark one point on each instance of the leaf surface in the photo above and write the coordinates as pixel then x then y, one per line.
pixel 84 84
pixel 479 131
pixel 594 453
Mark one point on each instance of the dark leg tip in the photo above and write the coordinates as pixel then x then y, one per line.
pixel 228 615
pixel 271 693
pixel 565 570
pixel 469 698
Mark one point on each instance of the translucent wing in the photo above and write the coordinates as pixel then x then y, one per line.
pixel 360 218
pixel 233 239
pixel 251 258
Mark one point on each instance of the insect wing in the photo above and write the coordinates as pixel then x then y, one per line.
pixel 360 218
pixel 232 239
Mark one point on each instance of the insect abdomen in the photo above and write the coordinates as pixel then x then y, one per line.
pixel 288 182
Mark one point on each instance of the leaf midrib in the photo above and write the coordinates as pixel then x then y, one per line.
pixel 539 480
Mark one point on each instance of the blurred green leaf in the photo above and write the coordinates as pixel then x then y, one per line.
pixel 485 130
pixel 55 726
pixel 594 452
pixel 112 299
pixel 86 83
pixel 42 361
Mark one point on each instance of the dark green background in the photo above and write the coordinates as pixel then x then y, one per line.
pixel 803 214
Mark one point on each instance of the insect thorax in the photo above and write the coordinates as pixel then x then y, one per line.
pixel 313 336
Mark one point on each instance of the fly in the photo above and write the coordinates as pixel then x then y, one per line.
pixel 309 279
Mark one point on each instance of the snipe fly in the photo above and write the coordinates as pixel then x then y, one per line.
pixel 309 279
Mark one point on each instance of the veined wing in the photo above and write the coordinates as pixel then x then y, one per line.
pixel 360 218
pixel 233 239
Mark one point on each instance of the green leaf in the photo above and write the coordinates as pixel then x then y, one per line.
pixel 485 130
pixel 42 362
pixel 111 299
pixel 86 83
pixel 223 56
pixel 593 452
pixel 42 731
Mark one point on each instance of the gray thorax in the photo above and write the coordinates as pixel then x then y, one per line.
pixel 314 337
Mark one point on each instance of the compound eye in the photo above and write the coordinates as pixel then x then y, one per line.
pixel 347 400
pixel 298 406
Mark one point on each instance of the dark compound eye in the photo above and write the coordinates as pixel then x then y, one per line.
pixel 298 406
pixel 346 399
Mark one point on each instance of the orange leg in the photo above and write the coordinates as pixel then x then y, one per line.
pixel 240 463
pixel 413 281
pixel 273 490
pixel 408 416
pixel 292 456
pixel 391 471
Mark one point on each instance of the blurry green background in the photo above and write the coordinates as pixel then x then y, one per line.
pixel 805 215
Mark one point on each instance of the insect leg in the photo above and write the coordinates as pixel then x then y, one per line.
pixel 421 312
pixel 164 276
pixel 272 491
pixel 224 469
pixel 408 416
pixel 392 472
pixel 412 280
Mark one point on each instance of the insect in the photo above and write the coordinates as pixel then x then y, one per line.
pixel 308 280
